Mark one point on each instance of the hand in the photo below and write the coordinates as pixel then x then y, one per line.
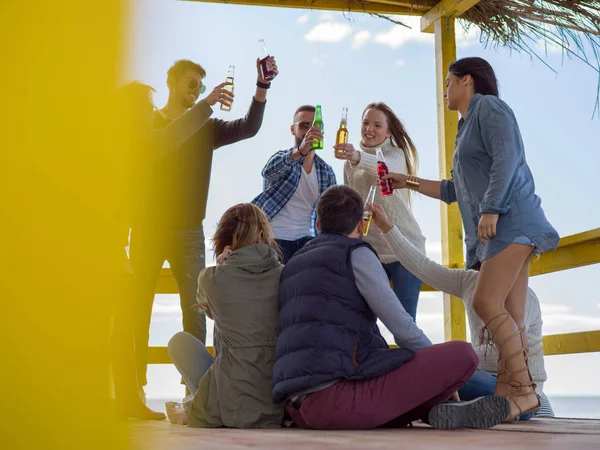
pixel 220 94
pixel 454 398
pixel 347 151
pixel 307 142
pixel 272 65
pixel 380 217
pixel 486 229
pixel 398 180
pixel 226 254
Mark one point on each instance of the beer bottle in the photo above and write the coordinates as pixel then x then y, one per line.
pixel 229 87
pixel 367 213
pixel 342 134
pixel 318 123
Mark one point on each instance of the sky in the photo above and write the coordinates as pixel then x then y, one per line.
pixel 336 60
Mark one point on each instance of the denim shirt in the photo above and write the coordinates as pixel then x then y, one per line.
pixel 490 175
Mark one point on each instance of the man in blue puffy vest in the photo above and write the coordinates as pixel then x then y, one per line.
pixel 334 369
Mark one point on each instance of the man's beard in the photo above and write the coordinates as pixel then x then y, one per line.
pixel 186 103
pixel 299 140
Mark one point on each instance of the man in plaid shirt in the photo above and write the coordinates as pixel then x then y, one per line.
pixel 294 179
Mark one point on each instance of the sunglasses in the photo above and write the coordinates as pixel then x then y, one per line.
pixel 303 124
pixel 193 84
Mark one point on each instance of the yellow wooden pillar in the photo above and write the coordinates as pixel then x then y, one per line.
pixel 65 159
pixel 452 235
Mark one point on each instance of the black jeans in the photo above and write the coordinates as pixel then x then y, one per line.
pixel 289 248
pixel 184 249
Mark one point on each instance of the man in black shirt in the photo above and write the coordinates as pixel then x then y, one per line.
pixel 170 227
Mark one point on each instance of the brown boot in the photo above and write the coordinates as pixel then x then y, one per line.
pixel 512 383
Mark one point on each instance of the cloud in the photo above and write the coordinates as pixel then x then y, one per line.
pixel 360 39
pixel 560 319
pixel 302 19
pixel 330 32
pixel 326 17
pixel 397 35
pixel 402 63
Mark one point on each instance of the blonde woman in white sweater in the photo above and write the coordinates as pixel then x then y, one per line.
pixel 381 128
pixel 461 283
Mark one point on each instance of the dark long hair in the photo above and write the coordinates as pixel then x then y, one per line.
pixel 480 70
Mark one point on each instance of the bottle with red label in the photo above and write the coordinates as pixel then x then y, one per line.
pixel 382 169
pixel 266 68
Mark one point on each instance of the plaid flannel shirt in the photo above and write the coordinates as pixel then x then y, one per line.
pixel 281 177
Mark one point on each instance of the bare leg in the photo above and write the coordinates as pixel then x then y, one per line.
pixel 515 303
pixel 501 291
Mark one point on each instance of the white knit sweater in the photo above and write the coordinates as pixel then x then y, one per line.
pixel 461 284
pixel 363 176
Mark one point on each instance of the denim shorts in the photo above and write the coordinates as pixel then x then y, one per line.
pixel 526 241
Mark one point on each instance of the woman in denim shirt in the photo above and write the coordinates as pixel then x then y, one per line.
pixel 502 216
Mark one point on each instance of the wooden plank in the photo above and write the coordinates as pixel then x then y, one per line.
pixel 554 344
pixel 407 3
pixel 452 238
pixel 166 283
pixel 580 238
pixel 389 7
pixel 446 8
pixel 547 434
pixel 569 343
pixel 577 250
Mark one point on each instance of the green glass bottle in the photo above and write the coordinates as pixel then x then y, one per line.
pixel 318 122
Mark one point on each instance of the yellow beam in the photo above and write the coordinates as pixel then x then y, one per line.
pixel 167 285
pixel 452 237
pixel 407 3
pixel 578 250
pixel 160 355
pixel 569 343
pixel 446 8
pixel 555 344
pixel 382 7
pixel 573 251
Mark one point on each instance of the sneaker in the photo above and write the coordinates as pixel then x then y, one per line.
pixel 483 412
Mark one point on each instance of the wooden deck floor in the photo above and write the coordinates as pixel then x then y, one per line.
pixel 548 434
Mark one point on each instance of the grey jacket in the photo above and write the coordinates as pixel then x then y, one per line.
pixel 490 175
pixel 241 297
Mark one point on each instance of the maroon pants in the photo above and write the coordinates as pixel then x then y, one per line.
pixel 394 399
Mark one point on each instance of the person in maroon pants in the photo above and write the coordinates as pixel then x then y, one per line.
pixel 334 370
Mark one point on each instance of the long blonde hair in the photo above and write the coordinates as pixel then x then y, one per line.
pixel 400 137
pixel 242 225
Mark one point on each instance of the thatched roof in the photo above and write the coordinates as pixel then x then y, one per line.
pixel 518 24
pixel 528 26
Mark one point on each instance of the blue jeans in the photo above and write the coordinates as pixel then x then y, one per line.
pixel 190 357
pixel 483 384
pixel 184 249
pixel 289 248
pixel 405 285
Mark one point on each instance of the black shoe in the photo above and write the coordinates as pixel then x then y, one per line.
pixel 483 412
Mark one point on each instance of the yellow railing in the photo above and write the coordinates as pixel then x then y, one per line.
pixel 577 250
